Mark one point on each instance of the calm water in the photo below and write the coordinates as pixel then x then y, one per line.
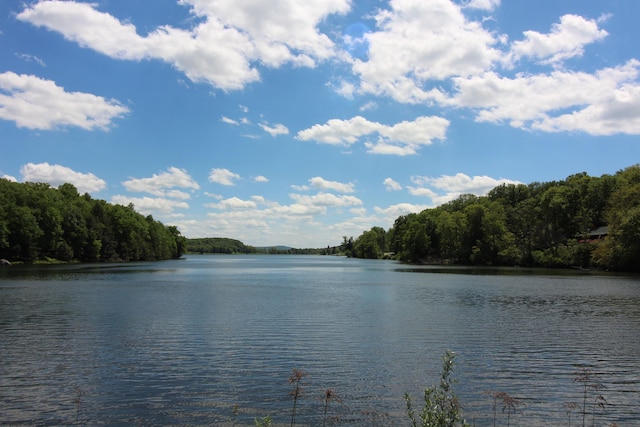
pixel 212 340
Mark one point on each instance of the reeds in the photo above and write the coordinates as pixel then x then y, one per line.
pixel 296 379
pixel 591 387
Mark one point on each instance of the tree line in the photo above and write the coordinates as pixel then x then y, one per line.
pixel 547 224
pixel 40 222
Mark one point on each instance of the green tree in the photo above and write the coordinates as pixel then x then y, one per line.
pixel 415 240
pixel 371 244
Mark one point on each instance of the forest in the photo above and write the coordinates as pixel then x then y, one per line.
pixel 580 222
pixel 42 223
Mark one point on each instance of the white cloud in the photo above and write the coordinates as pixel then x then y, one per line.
pixel 260 178
pixel 36 103
pixel 430 52
pixel 390 148
pixel 325 199
pixel 603 103
pixel 401 138
pixel 422 192
pixel 221 49
pixel 483 4
pixel 223 176
pixel 392 185
pixel 233 203
pixel 323 184
pixel 31 58
pixel 345 89
pixel 229 121
pixel 271 221
pixel 281 31
pixel 566 40
pixel 371 105
pixel 419 42
pixel 163 184
pixel 9 178
pixel 278 129
pixel 339 132
pixel 56 175
pixel 150 205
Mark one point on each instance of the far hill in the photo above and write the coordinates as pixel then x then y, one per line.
pixel 218 245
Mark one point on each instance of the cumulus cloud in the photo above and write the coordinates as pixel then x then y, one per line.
pixel 270 221
pixel 278 129
pixel 483 4
pixel 323 184
pixel 35 103
pixel 402 138
pixel 150 205
pixel 418 42
pixel 56 175
pixel 603 103
pixel 229 36
pixel 233 203
pixel 229 121
pixel 325 199
pixel 9 178
pixel 392 185
pixel 432 53
pixel 223 176
pixel 260 178
pixel 31 58
pixel 566 40
pixel 163 184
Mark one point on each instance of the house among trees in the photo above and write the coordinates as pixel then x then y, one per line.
pixel 599 233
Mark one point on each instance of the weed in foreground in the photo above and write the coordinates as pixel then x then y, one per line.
pixel 441 405
pixel 263 422
pixel 296 379
pixel 330 395
pixel 590 388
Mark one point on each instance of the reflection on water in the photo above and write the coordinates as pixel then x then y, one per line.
pixel 211 340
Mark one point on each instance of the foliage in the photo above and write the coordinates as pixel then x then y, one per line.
pixel 441 405
pixel 40 222
pixel 264 422
pixel 539 225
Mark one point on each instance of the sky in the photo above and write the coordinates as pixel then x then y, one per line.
pixel 298 122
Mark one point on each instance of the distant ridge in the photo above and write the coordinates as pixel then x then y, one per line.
pixel 277 248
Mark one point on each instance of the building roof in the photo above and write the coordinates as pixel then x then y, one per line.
pixel 600 231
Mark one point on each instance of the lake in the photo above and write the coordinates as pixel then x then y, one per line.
pixel 213 339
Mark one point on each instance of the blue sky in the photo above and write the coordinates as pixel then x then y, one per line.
pixel 297 122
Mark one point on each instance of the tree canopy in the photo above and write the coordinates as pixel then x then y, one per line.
pixel 541 224
pixel 40 222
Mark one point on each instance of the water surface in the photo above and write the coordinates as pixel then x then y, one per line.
pixel 212 340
